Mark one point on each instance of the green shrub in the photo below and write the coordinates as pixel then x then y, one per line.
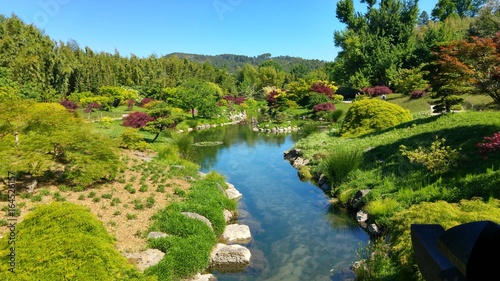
pixel 168 153
pixel 441 212
pixel 438 159
pixel 371 115
pixel 79 247
pixel 134 140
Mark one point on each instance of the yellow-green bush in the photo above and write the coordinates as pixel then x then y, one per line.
pixel 64 241
pixel 441 212
pixel 371 115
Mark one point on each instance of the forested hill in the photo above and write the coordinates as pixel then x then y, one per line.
pixel 232 62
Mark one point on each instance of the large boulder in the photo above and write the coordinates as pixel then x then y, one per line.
pixel 229 258
pixel 236 234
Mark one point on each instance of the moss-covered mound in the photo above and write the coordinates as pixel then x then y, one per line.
pixel 64 241
pixel 371 115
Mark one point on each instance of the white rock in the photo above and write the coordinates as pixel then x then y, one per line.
pixel 232 192
pixel 237 234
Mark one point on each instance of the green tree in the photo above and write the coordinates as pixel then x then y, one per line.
pixel 375 42
pixel 195 93
pixel 462 8
pixel 40 140
pixel 487 23
pixel 164 119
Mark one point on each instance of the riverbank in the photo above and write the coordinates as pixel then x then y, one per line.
pixel 388 186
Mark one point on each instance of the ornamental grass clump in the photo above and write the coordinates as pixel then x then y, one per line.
pixel 340 163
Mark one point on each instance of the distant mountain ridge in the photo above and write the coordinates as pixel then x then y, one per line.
pixel 232 62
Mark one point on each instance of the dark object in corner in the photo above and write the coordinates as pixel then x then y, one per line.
pixel 466 252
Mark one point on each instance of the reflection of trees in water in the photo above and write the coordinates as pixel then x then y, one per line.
pixel 228 135
pixel 339 219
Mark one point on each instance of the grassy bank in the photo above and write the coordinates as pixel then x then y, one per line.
pixel 428 170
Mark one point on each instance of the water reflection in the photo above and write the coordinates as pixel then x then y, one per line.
pixel 297 235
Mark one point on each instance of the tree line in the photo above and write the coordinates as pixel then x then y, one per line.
pixel 33 66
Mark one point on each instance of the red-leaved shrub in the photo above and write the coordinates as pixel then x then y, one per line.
pixel 145 101
pixel 321 88
pixel 236 100
pixel 489 144
pixel 91 106
pixel 376 91
pixel 137 120
pixel 327 106
pixel 416 94
pixel 69 105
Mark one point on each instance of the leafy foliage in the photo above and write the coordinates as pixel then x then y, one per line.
pixel 46 138
pixel 371 115
pixel 137 119
pixel 376 91
pixel 489 145
pixel 438 159
pixel 324 107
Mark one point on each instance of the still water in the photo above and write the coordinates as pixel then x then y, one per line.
pixel 296 234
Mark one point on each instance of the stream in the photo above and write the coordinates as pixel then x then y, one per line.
pixel 296 233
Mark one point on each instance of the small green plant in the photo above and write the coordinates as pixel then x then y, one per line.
pixel 138 205
pixel 129 188
pixel 117 213
pixel 36 198
pixel 63 188
pixel 115 201
pixel 107 196
pixel 150 202
pixel 59 197
pixel 438 159
pixel 44 192
pixel 131 216
pixel 81 197
pixel 25 195
pixel 91 194
pixel 112 223
pixel 3 222
pixel 179 192
pixel 96 199
pixel 143 188
pixel 160 188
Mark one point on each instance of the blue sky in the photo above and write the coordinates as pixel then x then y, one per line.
pixel 296 28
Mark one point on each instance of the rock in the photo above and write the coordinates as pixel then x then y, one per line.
pixel 203 277
pixel 156 235
pixel 362 217
pixel 321 179
pixel 232 192
pixel 236 234
pixel 346 274
pixel 198 217
pixel 357 201
pixel 373 229
pixel 228 216
pixel 299 162
pixel 145 259
pixel 326 186
pixel 292 154
pixel 229 258
pixel 201 174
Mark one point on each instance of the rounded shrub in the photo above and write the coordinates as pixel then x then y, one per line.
pixel 371 115
pixel 64 241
